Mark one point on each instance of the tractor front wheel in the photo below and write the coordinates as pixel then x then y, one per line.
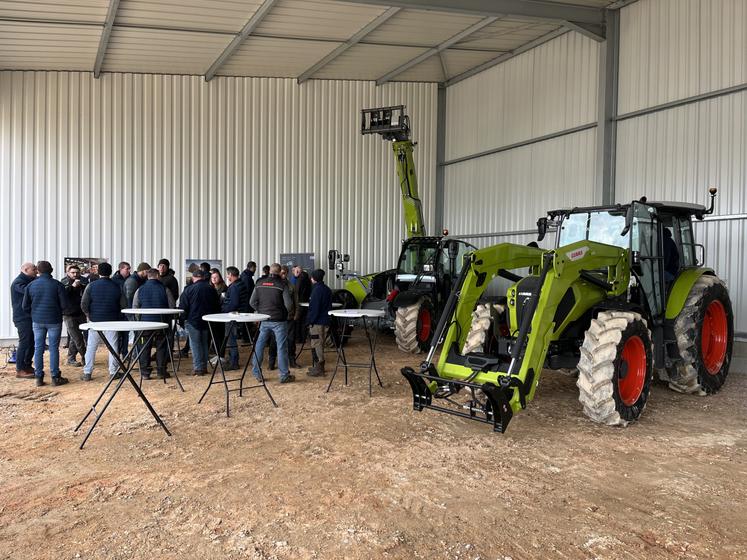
pixel 616 368
pixel 705 336
pixel 414 326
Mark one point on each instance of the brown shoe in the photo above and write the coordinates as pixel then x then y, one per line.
pixel 24 374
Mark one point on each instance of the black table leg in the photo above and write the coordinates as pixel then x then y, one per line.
pixel 169 344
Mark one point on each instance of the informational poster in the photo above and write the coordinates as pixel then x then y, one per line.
pixel 190 265
pixel 304 260
pixel 87 265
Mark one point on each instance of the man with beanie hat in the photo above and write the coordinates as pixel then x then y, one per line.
pixel 45 300
pixel 168 277
pixel 134 281
pixel 317 318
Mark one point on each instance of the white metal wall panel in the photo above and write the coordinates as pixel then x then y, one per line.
pixel 674 49
pixel 138 167
pixel 676 155
pixel 547 89
pixel 508 191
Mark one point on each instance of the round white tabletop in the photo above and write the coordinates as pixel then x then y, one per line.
pixel 335 305
pixel 357 313
pixel 238 317
pixel 123 326
pixel 153 311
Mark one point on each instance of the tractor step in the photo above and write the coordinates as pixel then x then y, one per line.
pixel 497 410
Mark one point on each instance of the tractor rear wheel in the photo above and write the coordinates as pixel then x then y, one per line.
pixel 616 368
pixel 705 336
pixel 414 326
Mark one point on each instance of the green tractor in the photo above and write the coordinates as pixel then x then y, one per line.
pixel 413 294
pixel 621 298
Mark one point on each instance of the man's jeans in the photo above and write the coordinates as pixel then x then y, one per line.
pixel 199 342
pixel 25 351
pixel 94 338
pixel 41 330
pixel 279 328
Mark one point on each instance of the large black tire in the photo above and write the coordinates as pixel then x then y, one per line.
pixel 616 368
pixel 414 326
pixel 705 336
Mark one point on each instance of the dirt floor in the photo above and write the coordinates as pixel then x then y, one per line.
pixel 342 475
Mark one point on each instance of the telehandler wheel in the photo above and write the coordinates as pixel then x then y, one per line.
pixel 616 368
pixel 478 330
pixel 414 326
pixel 705 335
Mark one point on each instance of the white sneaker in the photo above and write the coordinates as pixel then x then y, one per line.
pixel 214 360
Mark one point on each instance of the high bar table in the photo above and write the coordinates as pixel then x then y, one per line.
pixel 233 319
pixel 171 320
pixel 346 315
pixel 121 326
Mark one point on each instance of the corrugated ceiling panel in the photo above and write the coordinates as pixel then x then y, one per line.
pixel 676 155
pixel 317 19
pixel 547 89
pixel 158 51
pixel 427 71
pixel 420 28
pixel 259 56
pixel 506 34
pixel 40 46
pixel 510 190
pixel 673 49
pixel 215 15
pixel 592 3
pixel 70 10
pixel 458 61
pixel 138 167
pixel 368 62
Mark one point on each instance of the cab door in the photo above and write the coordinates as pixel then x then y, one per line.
pixel 647 257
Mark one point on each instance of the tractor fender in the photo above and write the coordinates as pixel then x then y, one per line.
pixel 408 298
pixel 681 289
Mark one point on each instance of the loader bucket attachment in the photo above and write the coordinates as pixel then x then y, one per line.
pixel 495 409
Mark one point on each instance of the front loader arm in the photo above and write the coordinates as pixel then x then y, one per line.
pixel 408 183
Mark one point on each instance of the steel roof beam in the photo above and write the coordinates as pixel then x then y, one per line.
pixel 436 50
pixel 531 9
pixel 106 32
pixel 354 40
pixel 250 26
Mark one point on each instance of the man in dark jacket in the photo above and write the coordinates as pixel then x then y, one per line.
pixel 318 320
pixel 22 321
pixel 45 300
pixel 120 277
pixel 272 297
pixel 73 315
pixel 154 295
pixel 247 277
pixel 134 281
pixel 168 277
pixel 301 283
pixel 199 299
pixel 102 300
pixel 236 301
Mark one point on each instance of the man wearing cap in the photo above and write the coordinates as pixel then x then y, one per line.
pixel 22 321
pixel 154 295
pixel 45 301
pixel 102 300
pixel 198 299
pixel 317 318
pixel 168 277
pixel 272 297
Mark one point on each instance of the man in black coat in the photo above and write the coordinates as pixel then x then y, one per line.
pixel 199 299
pixel 22 321
pixel 73 315
pixel 236 301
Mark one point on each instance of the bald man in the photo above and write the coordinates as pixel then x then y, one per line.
pixel 22 321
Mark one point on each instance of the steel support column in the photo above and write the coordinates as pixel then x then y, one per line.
pixel 609 62
pixel 440 158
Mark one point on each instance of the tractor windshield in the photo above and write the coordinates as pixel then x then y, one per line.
pixel 418 258
pixel 601 226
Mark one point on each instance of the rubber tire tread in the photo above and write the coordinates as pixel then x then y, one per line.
pixel 479 327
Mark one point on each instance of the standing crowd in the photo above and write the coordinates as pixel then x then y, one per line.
pixel 294 301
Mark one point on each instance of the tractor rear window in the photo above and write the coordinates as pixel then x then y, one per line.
pixel 602 227
pixel 418 258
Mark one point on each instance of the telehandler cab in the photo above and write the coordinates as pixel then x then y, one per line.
pixel 623 295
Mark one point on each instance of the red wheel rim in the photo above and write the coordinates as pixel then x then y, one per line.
pixel 634 357
pixel 424 325
pixel 713 337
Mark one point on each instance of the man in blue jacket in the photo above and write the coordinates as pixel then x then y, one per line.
pixel 317 318
pixel 45 300
pixel 22 321
pixel 102 300
pixel 198 299
pixel 236 301
pixel 154 295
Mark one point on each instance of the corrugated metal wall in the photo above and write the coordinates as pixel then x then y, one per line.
pixel 548 89
pixel 672 50
pixel 138 167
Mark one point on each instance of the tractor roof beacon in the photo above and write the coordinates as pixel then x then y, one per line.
pixel 622 297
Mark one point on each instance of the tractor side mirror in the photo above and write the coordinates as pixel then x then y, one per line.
pixel 628 221
pixel 453 249
pixel 541 228
pixel 346 257
pixel 331 259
